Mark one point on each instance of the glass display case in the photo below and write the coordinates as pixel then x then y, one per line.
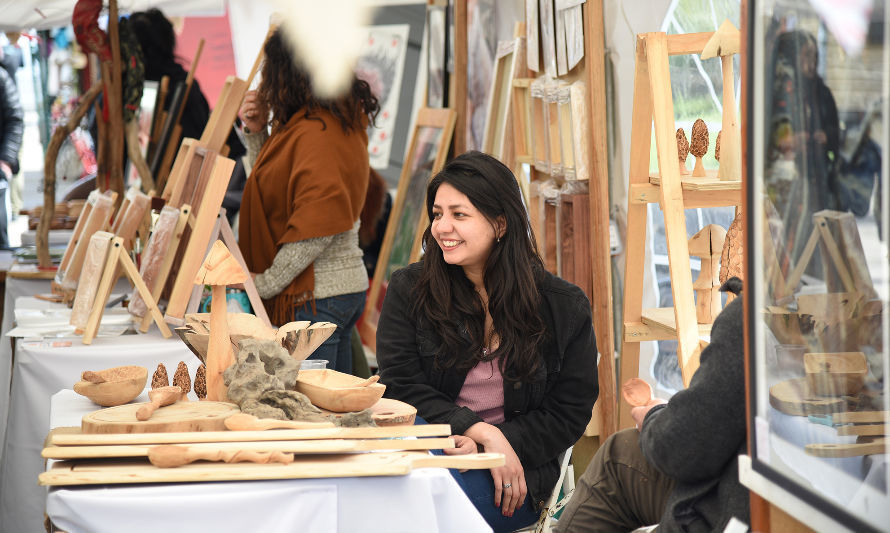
pixel 817 246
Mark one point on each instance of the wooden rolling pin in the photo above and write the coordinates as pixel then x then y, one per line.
pixel 169 456
pixel 159 397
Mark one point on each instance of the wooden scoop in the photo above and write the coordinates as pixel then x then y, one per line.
pixel 159 397
pixel 169 456
pixel 246 422
pixel 637 392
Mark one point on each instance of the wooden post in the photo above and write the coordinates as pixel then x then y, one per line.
pixel 459 103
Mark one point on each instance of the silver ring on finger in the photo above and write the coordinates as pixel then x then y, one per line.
pixel 507 485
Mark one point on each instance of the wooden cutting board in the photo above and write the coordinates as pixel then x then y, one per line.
pixel 793 397
pixel 111 471
pixel 74 436
pixel 180 416
pixel 299 447
pixel 388 412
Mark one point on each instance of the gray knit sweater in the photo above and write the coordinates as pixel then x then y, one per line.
pixel 339 268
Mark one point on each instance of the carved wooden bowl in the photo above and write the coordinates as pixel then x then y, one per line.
pixel 121 384
pixel 338 392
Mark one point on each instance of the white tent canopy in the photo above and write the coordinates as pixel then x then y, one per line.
pixel 45 14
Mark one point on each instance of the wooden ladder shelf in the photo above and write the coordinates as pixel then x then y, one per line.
pixel 653 102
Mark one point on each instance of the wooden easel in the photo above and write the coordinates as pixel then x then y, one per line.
pixel 653 101
pixel 117 257
pixel 164 270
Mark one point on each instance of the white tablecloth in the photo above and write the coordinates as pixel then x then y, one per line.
pixel 427 500
pixel 42 369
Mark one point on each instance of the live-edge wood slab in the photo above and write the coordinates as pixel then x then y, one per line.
pixel 181 416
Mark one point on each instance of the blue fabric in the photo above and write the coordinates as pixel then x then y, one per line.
pixel 478 485
pixel 344 311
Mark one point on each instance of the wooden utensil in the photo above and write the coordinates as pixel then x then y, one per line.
pixel 75 437
pixel 860 417
pixel 246 422
pixel 370 381
pixel 169 456
pixel 180 416
pixel 159 398
pixel 310 466
pixel 338 392
pixel 862 429
pixel 112 386
pixel 877 446
pixel 637 392
pixel 289 446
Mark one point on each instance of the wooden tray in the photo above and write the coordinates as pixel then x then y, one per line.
pixel 74 437
pixel 180 416
pixel 793 397
pixel 112 471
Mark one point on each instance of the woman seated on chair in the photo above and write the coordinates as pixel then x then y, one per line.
pixel 478 335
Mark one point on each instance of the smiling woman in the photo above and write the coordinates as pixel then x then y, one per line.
pixel 478 335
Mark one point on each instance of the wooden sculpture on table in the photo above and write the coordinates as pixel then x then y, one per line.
pixel 725 43
pixel 682 151
pixel 708 245
pixel 218 270
pixel 699 146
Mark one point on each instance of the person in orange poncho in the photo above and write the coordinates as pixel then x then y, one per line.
pixel 301 205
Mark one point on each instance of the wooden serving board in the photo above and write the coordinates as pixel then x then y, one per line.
pixel 388 412
pixel 180 416
pixel 860 417
pixel 793 397
pixel 111 471
pixel 74 436
pixel 298 447
pixel 862 429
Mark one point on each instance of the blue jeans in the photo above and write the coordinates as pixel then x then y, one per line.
pixel 344 311
pixel 478 485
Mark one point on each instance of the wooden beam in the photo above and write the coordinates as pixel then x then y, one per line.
pixel 459 103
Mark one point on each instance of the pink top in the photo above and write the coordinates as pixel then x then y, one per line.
pixel 483 392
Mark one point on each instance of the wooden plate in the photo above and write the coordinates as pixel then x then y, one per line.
pixel 181 416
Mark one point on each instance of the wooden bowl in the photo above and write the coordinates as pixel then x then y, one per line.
pixel 835 374
pixel 121 385
pixel 336 391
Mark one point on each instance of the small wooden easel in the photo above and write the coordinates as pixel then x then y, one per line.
pixel 117 258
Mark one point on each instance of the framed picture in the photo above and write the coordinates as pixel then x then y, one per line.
pixel 817 266
pixel 498 138
pixel 438 22
pixel 391 64
pixel 430 140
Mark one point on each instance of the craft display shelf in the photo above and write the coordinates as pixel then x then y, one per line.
pixel 653 102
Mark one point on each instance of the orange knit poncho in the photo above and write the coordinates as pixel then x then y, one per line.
pixel 309 180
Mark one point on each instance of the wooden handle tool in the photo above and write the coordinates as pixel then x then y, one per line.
pixel 370 381
pixel 246 422
pixel 159 397
pixel 169 456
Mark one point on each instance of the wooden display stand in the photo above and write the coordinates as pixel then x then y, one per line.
pixel 653 101
pixel 117 257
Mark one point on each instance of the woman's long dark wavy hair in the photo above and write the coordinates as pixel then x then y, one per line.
pixel 287 88
pixel 448 299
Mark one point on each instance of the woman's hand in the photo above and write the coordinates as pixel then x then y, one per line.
pixel 509 480
pixel 253 113
pixel 463 445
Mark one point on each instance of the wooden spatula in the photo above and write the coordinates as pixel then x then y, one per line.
pixel 169 456
pixel 159 397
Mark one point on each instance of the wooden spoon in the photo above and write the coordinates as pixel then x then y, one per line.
pixel 637 392
pixel 159 397
pixel 246 422
pixel 370 381
pixel 169 456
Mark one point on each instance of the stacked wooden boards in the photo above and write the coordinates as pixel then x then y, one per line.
pixel 90 456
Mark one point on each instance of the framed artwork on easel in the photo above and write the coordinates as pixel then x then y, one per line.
pixel 407 220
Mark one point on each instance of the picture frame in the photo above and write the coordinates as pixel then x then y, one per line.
pixel 498 124
pixel 807 446
pixel 438 23
pixel 430 140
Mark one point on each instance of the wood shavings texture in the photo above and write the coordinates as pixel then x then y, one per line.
pixel 699 145
pixel 732 258
pixel 717 146
pixel 159 378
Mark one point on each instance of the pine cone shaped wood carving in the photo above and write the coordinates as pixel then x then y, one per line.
pixel 159 378
pixel 699 146
pixel 682 151
pixel 181 379
pixel 717 146
pixel 201 382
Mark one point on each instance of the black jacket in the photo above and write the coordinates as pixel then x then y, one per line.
pixel 696 438
pixel 543 417
pixel 11 121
